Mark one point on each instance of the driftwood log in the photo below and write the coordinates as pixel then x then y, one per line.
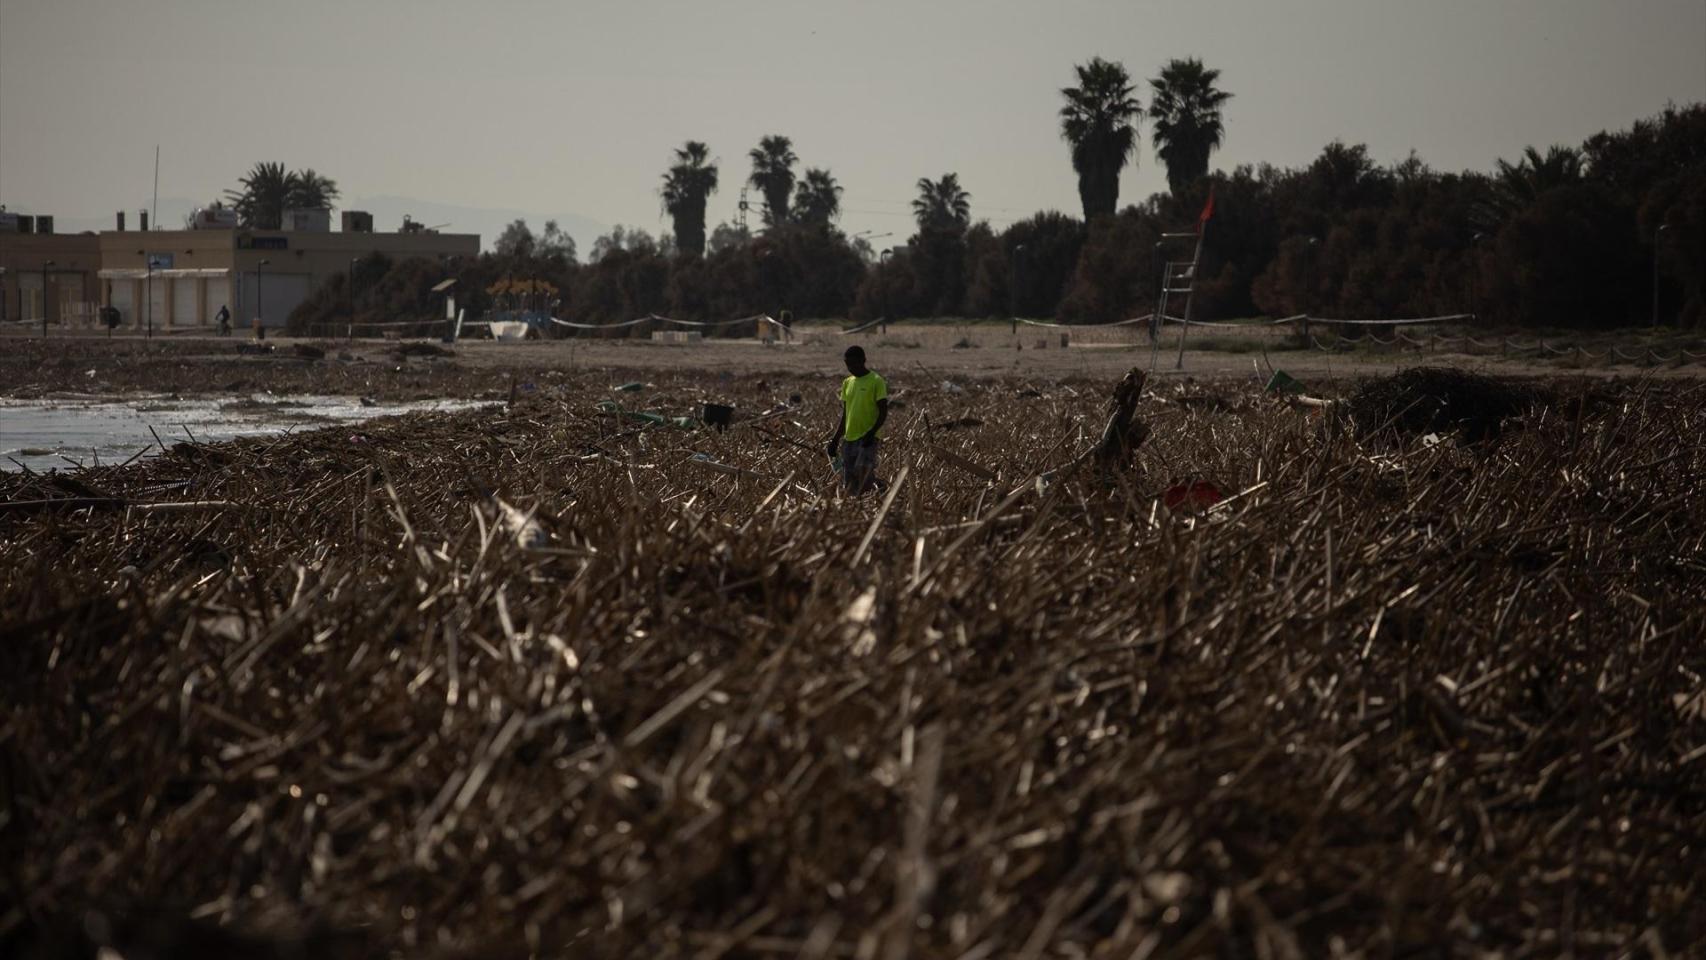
pixel 1121 435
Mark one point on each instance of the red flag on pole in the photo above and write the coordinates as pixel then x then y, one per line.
pixel 1207 210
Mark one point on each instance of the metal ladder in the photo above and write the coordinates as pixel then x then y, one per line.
pixel 1177 277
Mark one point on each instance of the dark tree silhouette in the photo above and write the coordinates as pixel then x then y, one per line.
pixel 311 191
pixel 1099 122
pixel 817 198
pixel 269 190
pixel 773 174
pixel 942 206
pixel 1185 117
pixel 1536 173
pixel 261 201
pixel 686 187
pixel 516 240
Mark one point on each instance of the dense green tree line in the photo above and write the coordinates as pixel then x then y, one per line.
pixel 1561 236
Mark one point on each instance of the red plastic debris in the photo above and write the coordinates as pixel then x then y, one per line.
pixel 1196 495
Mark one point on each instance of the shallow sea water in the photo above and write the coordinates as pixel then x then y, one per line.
pixel 66 432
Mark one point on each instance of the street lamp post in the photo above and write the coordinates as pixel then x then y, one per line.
pixel 1013 291
pixel 882 265
pixel 1309 282
pixel 260 312
pixel 50 263
pixel 351 285
pixel 1475 277
pixel 1658 236
pixel 1155 319
pixel 148 291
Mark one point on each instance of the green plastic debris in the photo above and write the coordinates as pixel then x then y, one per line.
pixel 650 417
pixel 1282 382
pixel 634 387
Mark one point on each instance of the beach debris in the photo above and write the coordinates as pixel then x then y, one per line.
pixel 1192 495
pixel 958 423
pixel 1282 382
pixel 717 415
pixel 1440 400
pixel 421 348
pixel 528 532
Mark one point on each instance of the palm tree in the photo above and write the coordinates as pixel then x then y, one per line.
pixel 1186 112
pixel 773 174
pixel 817 198
pixel 685 189
pixel 264 195
pixel 1098 121
pixel 311 191
pixel 942 206
pixel 1536 173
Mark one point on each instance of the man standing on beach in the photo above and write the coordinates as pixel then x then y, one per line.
pixel 864 407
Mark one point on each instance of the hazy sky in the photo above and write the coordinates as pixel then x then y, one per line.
pixel 554 108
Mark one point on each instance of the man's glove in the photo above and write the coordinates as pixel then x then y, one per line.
pixel 832 447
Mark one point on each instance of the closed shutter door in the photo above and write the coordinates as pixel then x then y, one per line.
pixel 155 291
pixel 280 294
pixel 124 301
pixel 186 310
pixel 30 293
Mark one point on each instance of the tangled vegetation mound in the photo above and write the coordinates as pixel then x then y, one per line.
pixel 544 681
pixel 1440 400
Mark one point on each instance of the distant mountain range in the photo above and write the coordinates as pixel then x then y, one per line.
pixel 387 212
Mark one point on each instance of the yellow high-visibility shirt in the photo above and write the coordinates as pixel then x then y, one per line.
pixel 859 396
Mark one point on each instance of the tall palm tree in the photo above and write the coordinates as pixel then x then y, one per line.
pixel 311 191
pixel 942 206
pixel 1099 122
pixel 817 198
pixel 1186 115
pixel 773 174
pixel 264 195
pixel 685 189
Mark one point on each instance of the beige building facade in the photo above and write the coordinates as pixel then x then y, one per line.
pixel 180 278
pixel 51 274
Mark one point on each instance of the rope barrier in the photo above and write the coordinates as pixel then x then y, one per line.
pixel 862 327
pixel 1093 326
pixel 1385 323
pixel 1636 358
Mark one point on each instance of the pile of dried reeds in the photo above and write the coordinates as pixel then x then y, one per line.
pixel 1441 400
pixel 551 681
